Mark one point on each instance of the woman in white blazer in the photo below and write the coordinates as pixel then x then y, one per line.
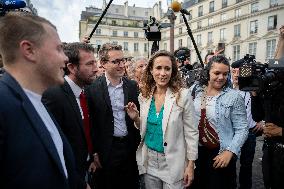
pixel 169 133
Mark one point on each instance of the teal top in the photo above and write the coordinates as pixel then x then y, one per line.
pixel 154 131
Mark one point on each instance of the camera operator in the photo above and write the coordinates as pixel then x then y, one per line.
pixel 182 56
pixel 255 129
pixel 271 110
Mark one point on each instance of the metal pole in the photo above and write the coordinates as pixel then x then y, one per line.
pixel 100 19
pixel 192 39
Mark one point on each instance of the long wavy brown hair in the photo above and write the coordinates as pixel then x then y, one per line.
pixel 148 83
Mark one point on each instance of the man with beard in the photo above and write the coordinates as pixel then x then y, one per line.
pixel 68 104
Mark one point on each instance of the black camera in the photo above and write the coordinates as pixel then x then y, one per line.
pixel 152 29
pixel 262 78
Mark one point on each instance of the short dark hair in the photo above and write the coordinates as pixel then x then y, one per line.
pixel 16 27
pixel 220 59
pixel 72 51
pixel 103 53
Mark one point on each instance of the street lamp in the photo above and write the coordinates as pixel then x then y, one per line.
pixel 172 17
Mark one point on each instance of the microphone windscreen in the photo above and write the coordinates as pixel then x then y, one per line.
pixel 176 6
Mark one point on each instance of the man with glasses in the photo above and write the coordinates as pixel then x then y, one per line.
pixel 115 139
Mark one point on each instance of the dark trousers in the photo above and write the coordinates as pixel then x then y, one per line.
pixel 273 165
pixel 121 170
pixel 206 177
pixel 246 160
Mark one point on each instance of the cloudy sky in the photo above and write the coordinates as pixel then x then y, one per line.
pixel 65 14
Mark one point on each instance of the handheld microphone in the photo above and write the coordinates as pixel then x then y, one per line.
pixel 12 4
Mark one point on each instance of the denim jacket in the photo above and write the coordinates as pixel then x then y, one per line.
pixel 231 117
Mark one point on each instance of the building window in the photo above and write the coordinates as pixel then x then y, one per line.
pixel 270 48
pixel 145 47
pixel 188 42
pixel 272 22
pixel 224 3
pixel 210 37
pixel 223 17
pixel 98 43
pixel 125 46
pixel 165 46
pixel 190 15
pixel 211 6
pixel 253 27
pixel 236 52
pixel 134 12
pixel 199 24
pixel 222 34
pixel 210 21
pixel 238 13
pixel 116 10
pixel 252 48
pixel 237 1
pixel 98 31
pixel 146 13
pixel 125 33
pixel 136 34
pixel 200 11
pixel 180 31
pixel 115 42
pixel 237 30
pixel 273 3
pixel 180 19
pixel 180 43
pixel 114 33
pixel 136 47
pixel 113 22
pixel 198 39
pixel 254 7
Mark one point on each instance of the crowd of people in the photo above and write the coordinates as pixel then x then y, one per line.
pixel 70 121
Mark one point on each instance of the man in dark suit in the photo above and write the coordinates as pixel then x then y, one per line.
pixel 115 137
pixel 34 153
pixel 64 102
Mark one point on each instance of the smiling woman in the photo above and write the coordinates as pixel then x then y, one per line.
pixel 222 127
pixel 167 128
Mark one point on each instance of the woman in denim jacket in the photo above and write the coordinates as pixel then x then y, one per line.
pixel 226 115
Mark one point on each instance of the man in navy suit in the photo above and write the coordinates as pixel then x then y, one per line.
pixel 33 151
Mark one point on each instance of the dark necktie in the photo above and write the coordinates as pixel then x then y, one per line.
pixel 86 121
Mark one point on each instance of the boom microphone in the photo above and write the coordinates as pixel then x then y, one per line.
pixel 176 7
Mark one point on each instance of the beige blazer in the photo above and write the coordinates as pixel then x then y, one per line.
pixel 180 133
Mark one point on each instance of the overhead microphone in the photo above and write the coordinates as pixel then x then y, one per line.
pixel 176 7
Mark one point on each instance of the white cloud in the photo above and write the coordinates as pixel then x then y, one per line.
pixel 65 14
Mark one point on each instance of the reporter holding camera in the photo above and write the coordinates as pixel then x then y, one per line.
pixel 222 127
pixel 255 129
pixel 270 108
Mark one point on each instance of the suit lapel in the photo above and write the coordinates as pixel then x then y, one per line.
pixel 72 99
pixel 168 104
pixel 105 92
pixel 145 107
pixel 35 119
pixel 125 91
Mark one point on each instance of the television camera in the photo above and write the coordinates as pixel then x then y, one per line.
pixel 262 78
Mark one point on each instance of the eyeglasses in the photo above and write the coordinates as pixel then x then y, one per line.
pixel 118 61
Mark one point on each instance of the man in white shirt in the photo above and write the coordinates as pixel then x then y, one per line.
pixel 34 153
pixel 255 129
pixel 65 103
